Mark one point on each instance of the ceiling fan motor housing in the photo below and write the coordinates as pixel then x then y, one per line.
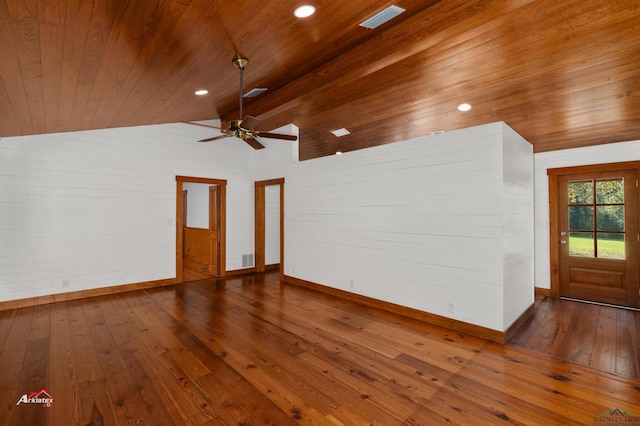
pixel 234 125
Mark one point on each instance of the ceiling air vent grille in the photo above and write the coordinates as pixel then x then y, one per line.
pixel 255 92
pixel 382 17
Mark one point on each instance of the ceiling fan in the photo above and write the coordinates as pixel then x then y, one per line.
pixel 245 128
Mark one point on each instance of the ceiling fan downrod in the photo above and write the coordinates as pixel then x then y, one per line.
pixel 240 62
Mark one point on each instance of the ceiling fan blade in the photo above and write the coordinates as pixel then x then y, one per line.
pixel 215 138
pixel 276 136
pixel 249 123
pixel 253 142
pixel 200 124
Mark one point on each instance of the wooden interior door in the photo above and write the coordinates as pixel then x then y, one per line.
pixel 213 235
pixel 598 236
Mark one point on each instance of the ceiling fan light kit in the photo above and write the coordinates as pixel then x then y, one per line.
pixel 245 128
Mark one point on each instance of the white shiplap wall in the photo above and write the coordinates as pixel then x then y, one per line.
pixel 272 225
pixel 97 208
pixel 197 204
pixel 428 223
pixel 431 223
pixel 609 153
pixel 518 225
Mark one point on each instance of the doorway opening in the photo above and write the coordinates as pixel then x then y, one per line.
pixel 200 228
pixel 269 225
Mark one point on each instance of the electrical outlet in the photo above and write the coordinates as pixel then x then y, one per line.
pixel 450 307
pixel 66 283
pixel 351 283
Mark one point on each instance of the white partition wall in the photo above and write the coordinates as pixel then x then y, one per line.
pixel 518 237
pixel 94 209
pixel 442 224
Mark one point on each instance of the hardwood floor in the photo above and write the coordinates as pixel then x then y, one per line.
pixel 250 350
pixel 194 271
pixel 601 337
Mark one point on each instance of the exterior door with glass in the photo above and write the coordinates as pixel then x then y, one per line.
pixel 598 227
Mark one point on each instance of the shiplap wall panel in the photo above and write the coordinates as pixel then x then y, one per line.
pixel 422 223
pixel 272 225
pixel 600 154
pixel 97 208
pixel 518 222
pixel 198 204
pixel 240 220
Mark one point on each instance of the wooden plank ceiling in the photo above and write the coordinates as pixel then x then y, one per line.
pixel 562 73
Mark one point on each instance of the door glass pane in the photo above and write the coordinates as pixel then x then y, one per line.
pixel 610 191
pixel 610 218
pixel 580 192
pixel 581 244
pixel 610 246
pixel 581 218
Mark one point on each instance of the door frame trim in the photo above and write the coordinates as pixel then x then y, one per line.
pixel 222 183
pixel 260 231
pixel 553 174
pixel 214 216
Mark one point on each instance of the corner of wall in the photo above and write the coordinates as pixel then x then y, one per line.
pixel 518 216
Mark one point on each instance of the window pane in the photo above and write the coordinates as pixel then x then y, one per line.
pixel 610 246
pixel 580 192
pixel 610 191
pixel 581 244
pixel 610 218
pixel 581 218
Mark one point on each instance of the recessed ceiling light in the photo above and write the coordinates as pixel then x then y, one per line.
pixel 201 92
pixel 464 107
pixel 340 132
pixel 304 11
pixel 338 152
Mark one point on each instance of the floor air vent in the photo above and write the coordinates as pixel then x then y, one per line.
pixel 247 260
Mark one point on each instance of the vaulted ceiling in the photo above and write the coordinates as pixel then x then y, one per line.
pixel 561 73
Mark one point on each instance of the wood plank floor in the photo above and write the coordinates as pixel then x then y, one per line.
pixel 252 351
pixel 598 336
pixel 193 271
